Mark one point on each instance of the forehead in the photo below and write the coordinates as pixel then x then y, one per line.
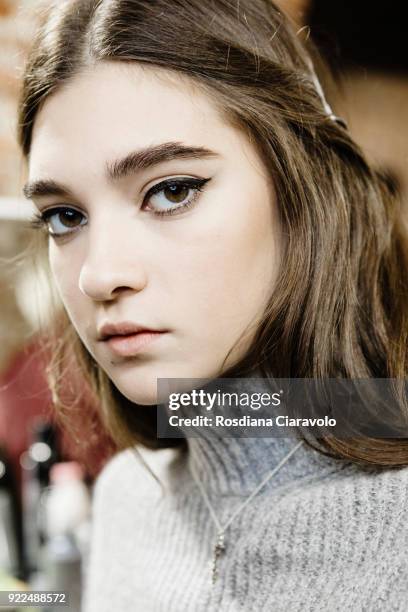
pixel 116 107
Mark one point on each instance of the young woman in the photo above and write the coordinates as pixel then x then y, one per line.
pixel 209 216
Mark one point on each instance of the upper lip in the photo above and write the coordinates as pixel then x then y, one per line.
pixel 108 330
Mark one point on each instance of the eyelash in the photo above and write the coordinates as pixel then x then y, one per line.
pixel 41 220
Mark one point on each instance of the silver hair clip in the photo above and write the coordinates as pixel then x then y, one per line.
pixel 326 105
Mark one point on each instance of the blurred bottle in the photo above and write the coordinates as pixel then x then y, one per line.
pixel 67 507
pixel 36 463
pixel 9 520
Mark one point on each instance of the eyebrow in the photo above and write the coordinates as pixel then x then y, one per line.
pixel 135 161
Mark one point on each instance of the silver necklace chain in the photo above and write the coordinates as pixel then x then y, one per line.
pixel 219 546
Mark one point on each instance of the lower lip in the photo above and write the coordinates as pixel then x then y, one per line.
pixel 127 346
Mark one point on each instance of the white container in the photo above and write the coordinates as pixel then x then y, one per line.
pixel 67 503
pixel 66 509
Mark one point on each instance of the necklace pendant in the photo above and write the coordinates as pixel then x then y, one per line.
pixel 219 548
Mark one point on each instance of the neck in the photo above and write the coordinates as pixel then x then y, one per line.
pixel 231 462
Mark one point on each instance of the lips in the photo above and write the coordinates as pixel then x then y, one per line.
pixel 122 329
pixel 126 339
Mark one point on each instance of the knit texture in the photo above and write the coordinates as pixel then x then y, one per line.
pixel 322 535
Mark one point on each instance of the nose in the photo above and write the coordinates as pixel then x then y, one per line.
pixel 112 265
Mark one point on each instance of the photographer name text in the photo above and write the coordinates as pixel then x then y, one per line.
pixel 249 421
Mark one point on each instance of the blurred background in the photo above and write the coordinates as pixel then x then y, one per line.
pixel 46 475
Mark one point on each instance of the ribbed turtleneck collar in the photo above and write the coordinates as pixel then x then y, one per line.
pixel 236 465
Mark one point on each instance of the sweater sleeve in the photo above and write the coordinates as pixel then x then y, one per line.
pixel 104 505
pixel 125 490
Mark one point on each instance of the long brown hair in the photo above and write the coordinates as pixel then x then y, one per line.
pixel 340 307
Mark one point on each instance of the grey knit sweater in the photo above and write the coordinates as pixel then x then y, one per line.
pixel 322 535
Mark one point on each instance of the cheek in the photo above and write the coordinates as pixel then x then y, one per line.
pixel 227 270
pixel 65 277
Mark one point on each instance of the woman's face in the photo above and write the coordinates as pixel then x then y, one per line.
pixel 119 151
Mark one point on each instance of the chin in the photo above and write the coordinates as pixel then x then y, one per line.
pixel 135 382
pixel 151 393
pixel 143 385
pixel 144 394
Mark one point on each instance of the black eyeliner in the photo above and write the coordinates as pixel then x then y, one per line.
pixel 185 182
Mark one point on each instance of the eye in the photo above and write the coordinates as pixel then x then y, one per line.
pixel 172 195
pixel 61 221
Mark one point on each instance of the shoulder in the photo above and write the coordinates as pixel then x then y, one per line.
pixel 133 469
pixel 385 487
pixel 370 479
pixel 358 494
pixel 376 480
